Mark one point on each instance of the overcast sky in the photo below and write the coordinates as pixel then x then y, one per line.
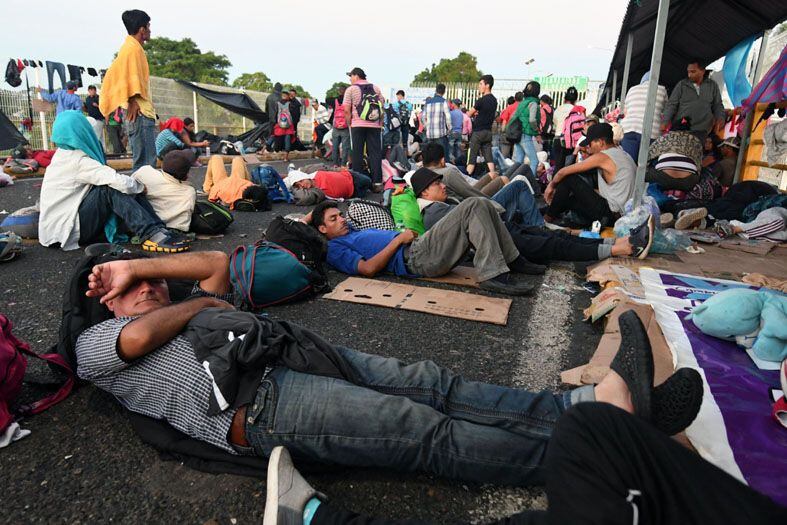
pixel 392 43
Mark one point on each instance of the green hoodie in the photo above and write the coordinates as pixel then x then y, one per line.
pixel 523 113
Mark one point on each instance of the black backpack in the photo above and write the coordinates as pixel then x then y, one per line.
pixel 306 243
pixel 210 218
pixel 513 132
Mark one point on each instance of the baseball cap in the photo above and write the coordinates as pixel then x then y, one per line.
pixel 71 84
pixel 457 102
pixel 356 71
pixel 422 178
pixel 178 162
pixel 733 142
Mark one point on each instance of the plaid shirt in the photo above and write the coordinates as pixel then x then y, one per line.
pixel 168 383
pixel 437 118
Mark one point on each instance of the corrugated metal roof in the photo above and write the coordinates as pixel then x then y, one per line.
pixel 703 29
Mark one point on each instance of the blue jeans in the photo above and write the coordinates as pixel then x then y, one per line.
pixel 133 210
pixel 526 146
pixel 454 143
pixel 416 417
pixel 341 146
pixel 630 144
pixel 519 203
pixel 362 184
pixel 499 159
pixel 142 139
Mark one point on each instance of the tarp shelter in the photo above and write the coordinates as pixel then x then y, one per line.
pixel 705 29
pixel 10 137
pixel 239 103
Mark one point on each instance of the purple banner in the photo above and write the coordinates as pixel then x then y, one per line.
pixel 742 393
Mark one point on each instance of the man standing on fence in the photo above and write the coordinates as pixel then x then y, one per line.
pixel 364 102
pixel 127 85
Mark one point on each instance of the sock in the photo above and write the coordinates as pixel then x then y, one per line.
pixel 309 510
pixel 604 251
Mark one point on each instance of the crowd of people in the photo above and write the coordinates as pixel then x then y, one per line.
pixel 511 189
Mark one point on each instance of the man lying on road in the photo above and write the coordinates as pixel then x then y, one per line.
pixel 375 412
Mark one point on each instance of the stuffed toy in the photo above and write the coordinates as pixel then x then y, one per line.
pixel 755 319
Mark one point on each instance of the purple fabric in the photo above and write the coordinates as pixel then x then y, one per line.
pixel 740 390
pixel 772 87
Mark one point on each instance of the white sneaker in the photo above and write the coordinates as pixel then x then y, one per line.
pixel 287 491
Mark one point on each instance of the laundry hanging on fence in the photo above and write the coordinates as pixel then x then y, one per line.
pixel 51 69
pixel 74 74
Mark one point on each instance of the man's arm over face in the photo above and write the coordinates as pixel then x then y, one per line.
pixel 211 269
pixel 155 329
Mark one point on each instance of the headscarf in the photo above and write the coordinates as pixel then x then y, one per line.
pixel 175 125
pixel 72 131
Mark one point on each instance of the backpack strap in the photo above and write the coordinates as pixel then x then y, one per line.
pixel 62 392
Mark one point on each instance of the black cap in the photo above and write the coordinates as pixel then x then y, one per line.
pixel 600 131
pixel 357 71
pixel 422 178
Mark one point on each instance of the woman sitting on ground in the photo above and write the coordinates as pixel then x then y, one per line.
pixel 675 159
pixel 170 137
pixel 168 190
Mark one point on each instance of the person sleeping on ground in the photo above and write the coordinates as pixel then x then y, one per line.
pixel 616 174
pixel 247 384
pixel 224 189
pixel 80 195
pixel 168 191
pixel 309 189
pixel 536 243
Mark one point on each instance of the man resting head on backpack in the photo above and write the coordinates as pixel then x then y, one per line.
pixel 474 223
pixel 247 384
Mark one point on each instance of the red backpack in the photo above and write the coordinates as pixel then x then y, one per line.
pixel 339 119
pixel 13 363
pixel 573 126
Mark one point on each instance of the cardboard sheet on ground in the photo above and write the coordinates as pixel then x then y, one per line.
pixel 598 366
pixel 734 428
pixel 460 276
pixel 447 303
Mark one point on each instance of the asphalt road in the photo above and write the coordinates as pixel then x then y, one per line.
pixel 83 464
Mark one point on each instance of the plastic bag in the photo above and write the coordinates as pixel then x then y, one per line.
pixel 670 241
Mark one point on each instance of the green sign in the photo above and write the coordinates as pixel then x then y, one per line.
pixel 553 83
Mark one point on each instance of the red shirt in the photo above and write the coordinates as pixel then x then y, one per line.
pixel 335 184
pixel 506 114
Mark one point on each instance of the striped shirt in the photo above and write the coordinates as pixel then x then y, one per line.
pixel 165 138
pixel 677 162
pixel 634 118
pixel 437 118
pixel 168 383
pixel 353 97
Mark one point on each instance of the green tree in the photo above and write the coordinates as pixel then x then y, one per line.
pixel 333 92
pixel 463 68
pixel 258 81
pixel 302 93
pixel 183 60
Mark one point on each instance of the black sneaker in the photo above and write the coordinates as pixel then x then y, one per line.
pixel 287 491
pixel 634 362
pixel 641 238
pixel 676 402
pixel 505 284
pixel 522 265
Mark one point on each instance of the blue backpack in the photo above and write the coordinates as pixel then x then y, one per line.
pixel 264 274
pixel 267 177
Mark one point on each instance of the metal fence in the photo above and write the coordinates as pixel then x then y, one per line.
pixel 503 89
pixel 170 99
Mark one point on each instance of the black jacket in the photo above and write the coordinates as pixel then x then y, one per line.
pixel 239 345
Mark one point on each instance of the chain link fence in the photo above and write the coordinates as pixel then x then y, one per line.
pixel 170 99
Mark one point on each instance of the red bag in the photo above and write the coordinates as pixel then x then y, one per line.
pixel 13 364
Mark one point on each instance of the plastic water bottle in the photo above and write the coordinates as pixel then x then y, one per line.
pixel 207 151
